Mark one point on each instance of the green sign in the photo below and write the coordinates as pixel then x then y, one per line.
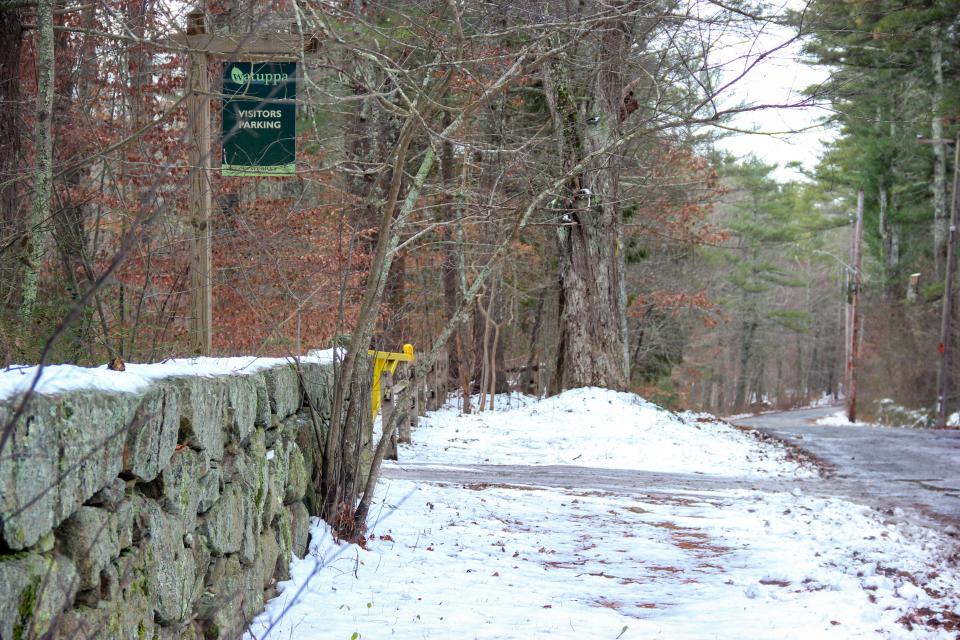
pixel 259 119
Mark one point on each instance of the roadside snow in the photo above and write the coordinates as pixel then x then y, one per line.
pixel 510 562
pixel 61 378
pixel 595 427
pixel 839 419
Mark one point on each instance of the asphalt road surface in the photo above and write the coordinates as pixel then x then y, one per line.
pixel 910 474
pixel 917 470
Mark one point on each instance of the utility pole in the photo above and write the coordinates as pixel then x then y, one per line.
pixel 847 293
pixel 843 318
pixel 945 347
pixel 854 297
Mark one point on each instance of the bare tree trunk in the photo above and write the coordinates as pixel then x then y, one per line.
pixel 11 164
pixel 396 333
pixel 781 397
pixel 760 390
pixel 338 477
pixel 749 329
pixel 889 236
pixel 487 371
pixel 43 173
pixel 447 237
pixel 498 373
pixel 498 357
pixel 484 363
pixel 464 381
pixel 528 379
pixel 70 218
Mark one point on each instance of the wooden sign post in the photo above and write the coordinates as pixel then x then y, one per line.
pixel 201 256
pixel 945 390
pixel 200 46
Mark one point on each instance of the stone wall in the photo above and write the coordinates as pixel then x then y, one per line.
pixel 169 513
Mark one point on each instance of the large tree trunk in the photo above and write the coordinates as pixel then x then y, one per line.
pixel 592 334
pixel 593 316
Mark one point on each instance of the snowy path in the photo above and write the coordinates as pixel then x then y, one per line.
pixel 561 551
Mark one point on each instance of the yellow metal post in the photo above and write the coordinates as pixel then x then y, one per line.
pixel 386 360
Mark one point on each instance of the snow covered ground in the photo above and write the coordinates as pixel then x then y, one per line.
pixel 889 414
pixel 496 562
pixel 60 378
pixel 595 428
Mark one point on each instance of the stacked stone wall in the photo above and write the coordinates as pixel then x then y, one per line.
pixel 169 513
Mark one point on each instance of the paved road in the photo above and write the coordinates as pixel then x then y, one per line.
pixel 907 468
pixel 913 475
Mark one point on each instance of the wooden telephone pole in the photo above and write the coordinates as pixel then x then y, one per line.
pixel 945 347
pixel 853 350
pixel 200 46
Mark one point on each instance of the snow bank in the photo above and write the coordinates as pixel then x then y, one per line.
pixel 889 414
pixel 61 378
pixel 595 427
pixel 839 419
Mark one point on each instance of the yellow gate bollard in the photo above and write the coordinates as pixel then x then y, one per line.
pixel 386 360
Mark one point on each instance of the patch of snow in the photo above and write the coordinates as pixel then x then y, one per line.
pixel 440 467
pixel 825 400
pixel 741 416
pixel 447 562
pixel 891 414
pixel 839 419
pixel 61 378
pixel 594 427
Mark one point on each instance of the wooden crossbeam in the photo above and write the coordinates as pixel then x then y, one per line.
pixel 286 46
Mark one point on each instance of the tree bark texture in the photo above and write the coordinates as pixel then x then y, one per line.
pixel 593 315
pixel 43 171
pixel 70 223
pixel 447 237
pixel 747 334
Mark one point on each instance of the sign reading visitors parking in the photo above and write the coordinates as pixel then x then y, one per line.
pixel 259 132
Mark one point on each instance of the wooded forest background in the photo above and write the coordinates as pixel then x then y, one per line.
pixel 547 171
